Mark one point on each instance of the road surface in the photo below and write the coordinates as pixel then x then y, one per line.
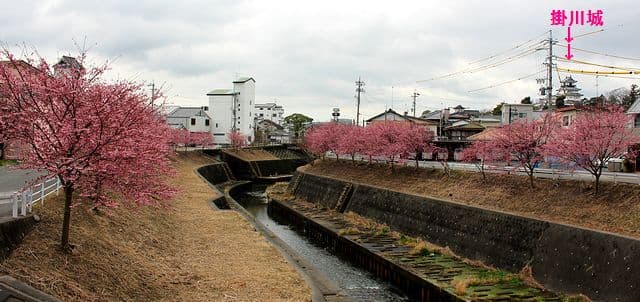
pixel 12 180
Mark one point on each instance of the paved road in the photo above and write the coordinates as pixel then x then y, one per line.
pixel 12 180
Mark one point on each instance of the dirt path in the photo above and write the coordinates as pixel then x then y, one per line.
pixel 188 253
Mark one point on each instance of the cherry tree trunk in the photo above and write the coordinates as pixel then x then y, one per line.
pixel 531 178
pixel 68 195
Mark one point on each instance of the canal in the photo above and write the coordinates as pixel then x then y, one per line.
pixel 355 283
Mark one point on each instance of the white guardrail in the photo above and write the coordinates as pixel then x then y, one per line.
pixel 24 199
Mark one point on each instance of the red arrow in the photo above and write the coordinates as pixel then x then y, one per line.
pixel 568 38
pixel 568 55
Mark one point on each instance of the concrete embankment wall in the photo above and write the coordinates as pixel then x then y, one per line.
pixel 12 231
pixel 278 167
pixel 261 168
pixel 216 173
pixel 563 258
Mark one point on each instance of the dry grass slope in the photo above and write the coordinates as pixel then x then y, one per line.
pixel 186 253
pixel 616 209
pixel 251 154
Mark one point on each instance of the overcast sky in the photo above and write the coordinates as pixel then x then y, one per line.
pixel 306 55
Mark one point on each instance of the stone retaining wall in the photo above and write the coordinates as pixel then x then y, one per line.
pixel 214 173
pixel 564 258
pixel 12 231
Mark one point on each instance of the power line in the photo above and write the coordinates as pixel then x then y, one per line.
pixel 596 64
pixel 589 33
pixel 600 53
pixel 508 50
pixel 596 72
pixel 504 83
pixel 530 50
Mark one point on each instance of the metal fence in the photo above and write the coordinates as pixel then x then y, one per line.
pixel 23 200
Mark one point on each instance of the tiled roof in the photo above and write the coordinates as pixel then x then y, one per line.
pixel 416 120
pixel 466 126
pixel 566 108
pixel 435 115
pixel 243 79
pixel 635 107
pixel 485 135
pixel 183 112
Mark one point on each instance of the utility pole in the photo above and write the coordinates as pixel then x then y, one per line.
pixel 550 72
pixel 359 89
pixel 414 96
pixel 547 87
pixel 153 92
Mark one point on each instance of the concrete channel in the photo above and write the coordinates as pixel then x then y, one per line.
pixel 332 278
pixel 397 271
pixel 422 277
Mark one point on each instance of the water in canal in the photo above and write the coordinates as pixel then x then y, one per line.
pixel 356 283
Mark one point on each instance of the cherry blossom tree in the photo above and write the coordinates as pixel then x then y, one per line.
pixel 202 139
pixel 323 138
pixel 524 141
pixel 350 140
pixel 481 153
pixel 179 137
pixel 595 137
pixel 372 144
pixel 415 139
pixel 237 139
pixel 101 139
pixel 314 141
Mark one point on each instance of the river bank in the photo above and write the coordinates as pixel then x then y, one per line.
pixel 616 209
pixel 188 252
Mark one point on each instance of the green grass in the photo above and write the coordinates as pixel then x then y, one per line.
pixel 7 162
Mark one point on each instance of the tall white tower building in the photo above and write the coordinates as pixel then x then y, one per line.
pixel 232 110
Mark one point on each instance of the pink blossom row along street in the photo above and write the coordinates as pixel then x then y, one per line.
pixel 392 140
pixel 597 135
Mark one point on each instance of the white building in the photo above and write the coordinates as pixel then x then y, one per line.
pixel 232 110
pixel 194 119
pixel 270 111
pixel 514 112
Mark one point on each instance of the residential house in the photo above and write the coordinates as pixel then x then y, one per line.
pixel 488 121
pixel 269 111
pixel 514 112
pixel 567 115
pixel 634 112
pixel 391 115
pixel 194 119
pixel 233 110
pixel 461 130
pixel 268 132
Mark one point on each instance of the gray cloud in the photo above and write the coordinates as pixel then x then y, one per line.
pixel 307 55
